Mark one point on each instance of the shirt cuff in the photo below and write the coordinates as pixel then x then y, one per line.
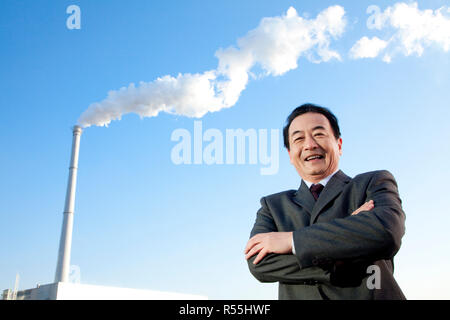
pixel 293 245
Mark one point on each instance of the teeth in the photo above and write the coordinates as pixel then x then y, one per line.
pixel 313 157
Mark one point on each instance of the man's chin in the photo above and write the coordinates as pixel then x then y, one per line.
pixel 317 173
pixel 313 177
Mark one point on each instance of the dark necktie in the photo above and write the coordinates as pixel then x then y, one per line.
pixel 316 189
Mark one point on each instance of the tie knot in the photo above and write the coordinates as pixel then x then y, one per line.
pixel 316 189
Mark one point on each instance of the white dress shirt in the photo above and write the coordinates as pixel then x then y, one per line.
pixel 309 184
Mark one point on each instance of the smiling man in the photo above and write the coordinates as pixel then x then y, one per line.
pixel 335 237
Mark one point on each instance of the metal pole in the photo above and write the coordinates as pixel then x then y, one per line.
pixel 65 244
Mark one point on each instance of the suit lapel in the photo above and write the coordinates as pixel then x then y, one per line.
pixel 333 188
pixel 304 198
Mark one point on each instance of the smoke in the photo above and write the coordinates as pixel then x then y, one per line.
pixel 409 29
pixel 275 46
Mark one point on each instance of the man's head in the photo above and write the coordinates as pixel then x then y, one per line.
pixel 313 140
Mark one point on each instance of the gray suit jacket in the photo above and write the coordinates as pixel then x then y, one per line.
pixel 333 248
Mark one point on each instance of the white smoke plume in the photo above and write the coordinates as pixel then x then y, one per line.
pixel 367 48
pixel 411 31
pixel 275 46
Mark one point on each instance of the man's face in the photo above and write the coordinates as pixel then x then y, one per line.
pixel 314 150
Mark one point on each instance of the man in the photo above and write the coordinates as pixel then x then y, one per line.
pixel 335 237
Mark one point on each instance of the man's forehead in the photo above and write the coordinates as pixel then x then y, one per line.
pixel 309 121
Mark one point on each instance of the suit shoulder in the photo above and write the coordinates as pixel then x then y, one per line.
pixel 371 174
pixel 279 196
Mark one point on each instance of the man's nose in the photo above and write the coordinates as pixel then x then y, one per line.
pixel 310 143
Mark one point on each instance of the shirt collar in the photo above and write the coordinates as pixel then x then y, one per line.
pixel 323 181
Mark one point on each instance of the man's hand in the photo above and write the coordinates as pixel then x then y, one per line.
pixel 265 243
pixel 369 205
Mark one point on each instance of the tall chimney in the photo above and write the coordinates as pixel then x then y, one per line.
pixel 65 243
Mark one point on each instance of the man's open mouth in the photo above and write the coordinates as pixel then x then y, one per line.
pixel 314 157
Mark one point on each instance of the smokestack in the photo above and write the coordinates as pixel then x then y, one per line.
pixel 65 244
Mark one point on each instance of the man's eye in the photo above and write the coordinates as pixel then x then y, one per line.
pixel 299 139
pixel 318 134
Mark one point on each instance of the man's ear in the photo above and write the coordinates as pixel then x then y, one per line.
pixel 289 153
pixel 340 146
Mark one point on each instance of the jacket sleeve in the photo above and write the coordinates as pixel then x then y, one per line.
pixel 369 235
pixel 279 267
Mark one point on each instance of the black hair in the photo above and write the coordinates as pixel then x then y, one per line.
pixel 309 107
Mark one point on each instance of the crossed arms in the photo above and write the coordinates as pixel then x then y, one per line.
pixel 280 242
pixel 372 232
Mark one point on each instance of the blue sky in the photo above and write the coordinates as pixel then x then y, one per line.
pixel 143 222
